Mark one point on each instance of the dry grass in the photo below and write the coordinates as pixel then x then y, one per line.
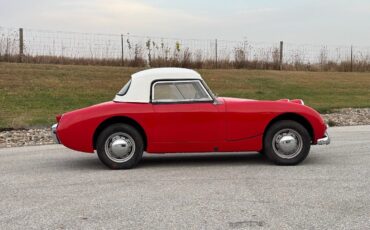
pixel 32 94
pixel 186 59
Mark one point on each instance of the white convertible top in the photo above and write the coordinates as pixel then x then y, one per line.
pixel 139 91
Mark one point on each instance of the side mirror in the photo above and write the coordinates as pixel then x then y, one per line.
pixel 216 101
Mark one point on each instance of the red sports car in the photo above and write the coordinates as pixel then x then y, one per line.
pixel 171 110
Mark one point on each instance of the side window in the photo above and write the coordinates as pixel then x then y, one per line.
pixel 125 89
pixel 179 91
pixel 166 91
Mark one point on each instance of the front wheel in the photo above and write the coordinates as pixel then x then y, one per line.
pixel 120 146
pixel 287 143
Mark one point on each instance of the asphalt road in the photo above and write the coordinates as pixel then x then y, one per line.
pixel 51 187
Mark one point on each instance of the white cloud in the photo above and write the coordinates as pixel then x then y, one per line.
pixel 125 16
pixel 306 21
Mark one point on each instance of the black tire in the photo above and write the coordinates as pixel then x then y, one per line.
pixel 275 132
pixel 122 129
pixel 262 154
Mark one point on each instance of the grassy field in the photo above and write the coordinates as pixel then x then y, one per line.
pixel 31 94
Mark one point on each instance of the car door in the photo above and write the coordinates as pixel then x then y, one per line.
pixel 187 119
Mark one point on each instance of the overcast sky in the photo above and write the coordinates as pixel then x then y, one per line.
pixel 337 22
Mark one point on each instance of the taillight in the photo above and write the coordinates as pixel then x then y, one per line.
pixel 58 117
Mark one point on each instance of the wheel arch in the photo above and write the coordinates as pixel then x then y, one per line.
pixel 292 117
pixel 119 119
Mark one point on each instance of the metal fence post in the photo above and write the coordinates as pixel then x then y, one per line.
pixel 216 52
pixel 245 52
pixel 351 58
pixel 21 44
pixel 122 58
pixel 281 55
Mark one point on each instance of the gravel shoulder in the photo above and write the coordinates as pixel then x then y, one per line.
pixel 348 117
pixel 42 136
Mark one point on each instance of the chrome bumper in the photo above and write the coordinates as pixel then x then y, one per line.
pixel 54 133
pixel 325 140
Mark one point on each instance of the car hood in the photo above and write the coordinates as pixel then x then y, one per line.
pixel 232 99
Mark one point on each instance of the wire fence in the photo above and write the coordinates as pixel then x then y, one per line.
pixel 60 47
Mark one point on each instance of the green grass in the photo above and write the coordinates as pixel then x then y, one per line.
pixel 31 94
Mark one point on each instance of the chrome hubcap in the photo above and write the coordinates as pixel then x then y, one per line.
pixel 287 143
pixel 120 147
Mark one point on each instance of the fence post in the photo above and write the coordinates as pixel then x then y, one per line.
pixel 21 44
pixel 281 55
pixel 216 53
pixel 351 58
pixel 245 52
pixel 122 58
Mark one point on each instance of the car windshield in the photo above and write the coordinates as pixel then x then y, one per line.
pixel 125 88
pixel 209 90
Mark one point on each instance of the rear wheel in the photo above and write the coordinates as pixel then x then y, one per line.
pixel 287 143
pixel 120 146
